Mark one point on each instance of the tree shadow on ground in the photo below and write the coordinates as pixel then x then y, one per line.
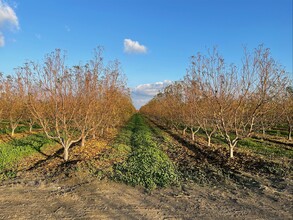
pixel 36 142
pixel 242 170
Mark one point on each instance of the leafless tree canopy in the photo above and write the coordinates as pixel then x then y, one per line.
pixel 71 104
pixel 224 98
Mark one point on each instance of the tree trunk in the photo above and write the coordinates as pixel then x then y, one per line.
pixel 290 133
pixel 83 141
pixel 193 132
pixel 231 148
pixel 184 131
pixel 192 135
pixel 232 145
pixel 31 128
pixel 209 141
pixel 13 131
pixel 66 153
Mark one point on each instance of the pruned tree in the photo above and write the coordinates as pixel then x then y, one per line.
pixel 288 110
pixel 227 99
pixel 238 95
pixel 69 103
pixel 13 101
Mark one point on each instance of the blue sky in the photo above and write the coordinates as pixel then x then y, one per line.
pixel 163 33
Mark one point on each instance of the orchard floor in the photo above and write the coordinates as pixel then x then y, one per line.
pixel 78 198
pixel 47 188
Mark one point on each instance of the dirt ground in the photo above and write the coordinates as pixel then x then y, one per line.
pixel 46 191
pixel 104 199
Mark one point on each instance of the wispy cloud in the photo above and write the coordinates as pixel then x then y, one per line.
pixel 143 93
pixel 8 19
pixel 2 42
pixel 8 16
pixel 131 46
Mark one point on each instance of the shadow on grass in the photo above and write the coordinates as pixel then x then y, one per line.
pixel 37 142
pixel 273 141
pixel 57 154
pixel 240 169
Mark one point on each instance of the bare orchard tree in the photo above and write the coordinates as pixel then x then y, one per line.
pixel 13 101
pixel 288 110
pixel 173 103
pixel 108 113
pixel 2 95
pixel 238 95
pixel 200 105
pixel 191 116
pixel 60 99
pixel 72 103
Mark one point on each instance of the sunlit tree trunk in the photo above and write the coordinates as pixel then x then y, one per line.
pixel 184 131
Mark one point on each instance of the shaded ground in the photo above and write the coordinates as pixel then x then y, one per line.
pixel 47 188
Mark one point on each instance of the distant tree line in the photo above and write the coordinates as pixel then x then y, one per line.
pixel 224 99
pixel 70 104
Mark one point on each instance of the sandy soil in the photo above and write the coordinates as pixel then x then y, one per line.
pixel 94 199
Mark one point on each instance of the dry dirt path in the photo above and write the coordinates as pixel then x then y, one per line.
pixel 108 200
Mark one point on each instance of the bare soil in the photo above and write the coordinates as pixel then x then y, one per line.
pixel 94 199
pixel 46 188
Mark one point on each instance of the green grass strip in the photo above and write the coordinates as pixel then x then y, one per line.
pixel 147 165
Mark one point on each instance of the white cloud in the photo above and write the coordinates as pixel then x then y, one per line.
pixel 143 93
pixel 8 16
pixel 2 41
pixel 131 46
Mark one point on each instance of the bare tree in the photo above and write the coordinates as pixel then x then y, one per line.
pixel 238 95
pixel 288 110
pixel 220 97
pixel 13 101
pixel 72 103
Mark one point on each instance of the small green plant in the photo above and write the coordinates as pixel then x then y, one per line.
pixel 265 148
pixel 13 151
pixel 146 165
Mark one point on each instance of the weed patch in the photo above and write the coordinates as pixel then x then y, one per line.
pixel 13 151
pixel 265 148
pixel 146 165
